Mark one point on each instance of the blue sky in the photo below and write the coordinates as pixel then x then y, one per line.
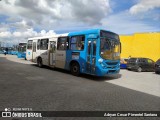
pixel 122 5
pixel 20 19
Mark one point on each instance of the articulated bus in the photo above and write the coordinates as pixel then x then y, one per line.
pixel 94 52
pixel 22 50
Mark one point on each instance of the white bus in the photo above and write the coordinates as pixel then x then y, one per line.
pixel 42 50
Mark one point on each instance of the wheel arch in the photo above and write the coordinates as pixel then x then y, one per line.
pixel 75 68
pixel 73 61
pixel 39 57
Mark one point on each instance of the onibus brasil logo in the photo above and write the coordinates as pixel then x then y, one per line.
pixel 7 112
pixel 19 114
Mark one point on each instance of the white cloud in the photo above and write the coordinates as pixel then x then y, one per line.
pixel 5 34
pixel 124 23
pixel 17 36
pixel 144 5
pixel 3 27
pixel 53 12
pixel 25 15
pixel 20 25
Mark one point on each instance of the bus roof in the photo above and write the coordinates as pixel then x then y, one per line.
pixel 51 36
pixel 89 31
pixel 22 42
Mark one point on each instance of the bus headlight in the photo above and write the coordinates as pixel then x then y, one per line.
pixel 100 60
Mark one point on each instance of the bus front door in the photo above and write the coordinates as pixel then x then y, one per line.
pixel 52 56
pixel 91 56
pixel 34 52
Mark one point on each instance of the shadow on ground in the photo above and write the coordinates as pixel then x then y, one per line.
pixel 86 76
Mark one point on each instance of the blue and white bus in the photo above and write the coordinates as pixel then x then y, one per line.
pixel 22 50
pixel 95 52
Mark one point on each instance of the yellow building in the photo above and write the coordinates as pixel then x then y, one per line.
pixel 141 45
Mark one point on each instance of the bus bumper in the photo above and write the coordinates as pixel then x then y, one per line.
pixel 104 72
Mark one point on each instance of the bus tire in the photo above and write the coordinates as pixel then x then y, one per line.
pixel 39 62
pixel 75 69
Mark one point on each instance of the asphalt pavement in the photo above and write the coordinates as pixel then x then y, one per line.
pixel 46 89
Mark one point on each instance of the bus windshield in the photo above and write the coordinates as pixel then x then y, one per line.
pixel 110 47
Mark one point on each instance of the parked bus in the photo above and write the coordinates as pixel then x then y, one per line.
pixel 95 52
pixel 15 50
pixel 22 50
pixel 9 50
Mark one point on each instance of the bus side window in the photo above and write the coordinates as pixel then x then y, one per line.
pixel 77 42
pixel 44 44
pixel 89 47
pixel 29 45
pixel 38 44
pixel 94 47
pixel 62 43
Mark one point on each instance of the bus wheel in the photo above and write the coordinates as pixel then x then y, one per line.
pixel 39 62
pixel 75 69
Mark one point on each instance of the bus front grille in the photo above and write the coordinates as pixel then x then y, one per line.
pixel 111 71
pixel 111 67
pixel 111 63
